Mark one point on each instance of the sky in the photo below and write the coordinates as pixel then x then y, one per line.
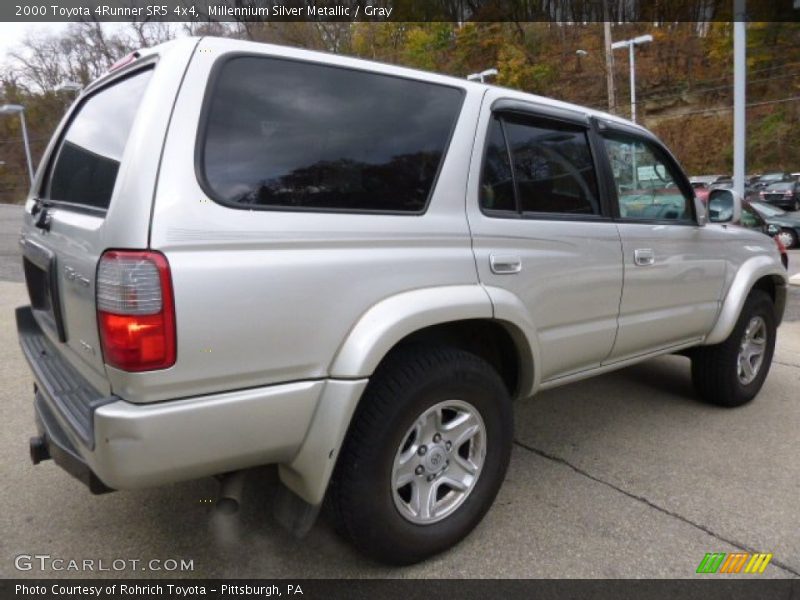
pixel 11 34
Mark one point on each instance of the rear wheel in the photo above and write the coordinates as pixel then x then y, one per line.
pixel 425 456
pixel 731 373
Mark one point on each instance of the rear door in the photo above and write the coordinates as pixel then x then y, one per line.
pixel 93 192
pixel 541 230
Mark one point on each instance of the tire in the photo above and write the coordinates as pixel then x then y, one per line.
pixel 372 511
pixel 715 369
pixel 788 237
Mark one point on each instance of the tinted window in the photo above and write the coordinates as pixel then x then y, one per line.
pixel 553 168
pixel 647 187
pixel 86 164
pixel 298 135
pixel 497 185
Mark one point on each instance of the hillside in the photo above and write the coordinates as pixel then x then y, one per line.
pixel 684 78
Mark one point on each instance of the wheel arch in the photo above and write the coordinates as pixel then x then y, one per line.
pixel 461 316
pixel 760 272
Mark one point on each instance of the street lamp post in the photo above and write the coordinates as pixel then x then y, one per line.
pixel 580 54
pixel 630 44
pixel 69 86
pixel 10 109
pixel 482 75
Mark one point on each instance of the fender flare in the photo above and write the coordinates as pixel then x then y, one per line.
pixel 393 318
pixel 378 330
pixel 748 274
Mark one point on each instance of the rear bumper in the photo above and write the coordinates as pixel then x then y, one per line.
pixel 107 442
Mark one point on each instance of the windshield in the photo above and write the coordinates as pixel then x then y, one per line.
pixel 768 210
pixel 772 177
pixel 780 187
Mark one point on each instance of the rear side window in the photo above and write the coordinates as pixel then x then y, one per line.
pixel 497 183
pixel 287 134
pixel 553 171
pixel 87 161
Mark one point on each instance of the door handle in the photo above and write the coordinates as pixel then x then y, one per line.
pixel 644 257
pixel 505 264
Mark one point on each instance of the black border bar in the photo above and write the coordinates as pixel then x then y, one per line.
pixel 576 11
pixel 731 588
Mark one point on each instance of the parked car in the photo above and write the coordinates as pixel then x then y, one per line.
pixel 722 207
pixel 350 269
pixel 783 195
pixel 768 179
pixel 788 222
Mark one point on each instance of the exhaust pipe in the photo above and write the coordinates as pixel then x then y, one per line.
pixel 230 492
pixel 39 450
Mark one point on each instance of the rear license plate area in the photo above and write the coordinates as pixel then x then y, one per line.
pixel 39 266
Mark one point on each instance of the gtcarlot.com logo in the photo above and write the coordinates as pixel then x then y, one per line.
pixel 46 562
pixel 734 563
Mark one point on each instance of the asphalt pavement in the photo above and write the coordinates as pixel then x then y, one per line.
pixel 623 475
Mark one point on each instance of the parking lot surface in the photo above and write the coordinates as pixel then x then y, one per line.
pixel 624 475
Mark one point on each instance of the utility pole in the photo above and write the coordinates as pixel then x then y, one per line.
pixel 739 68
pixel 631 46
pixel 612 93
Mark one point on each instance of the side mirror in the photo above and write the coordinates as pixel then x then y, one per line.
pixel 773 230
pixel 700 211
pixel 724 206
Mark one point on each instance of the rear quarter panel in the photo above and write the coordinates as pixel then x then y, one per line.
pixel 266 296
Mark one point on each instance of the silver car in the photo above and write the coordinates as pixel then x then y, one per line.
pixel 241 254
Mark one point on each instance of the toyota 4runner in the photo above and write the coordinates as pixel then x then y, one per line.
pixel 241 254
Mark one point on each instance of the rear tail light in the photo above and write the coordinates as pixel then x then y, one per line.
pixel 135 310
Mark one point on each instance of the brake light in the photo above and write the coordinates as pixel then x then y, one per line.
pixel 125 60
pixel 135 310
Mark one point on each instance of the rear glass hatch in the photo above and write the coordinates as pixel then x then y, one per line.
pixel 64 235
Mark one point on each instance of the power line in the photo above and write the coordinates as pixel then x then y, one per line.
pixel 596 101
pixel 719 87
pixel 727 108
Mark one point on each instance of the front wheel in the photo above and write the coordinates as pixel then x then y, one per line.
pixel 731 373
pixel 425 455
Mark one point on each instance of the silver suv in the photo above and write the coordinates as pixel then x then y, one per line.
pixel 241 254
